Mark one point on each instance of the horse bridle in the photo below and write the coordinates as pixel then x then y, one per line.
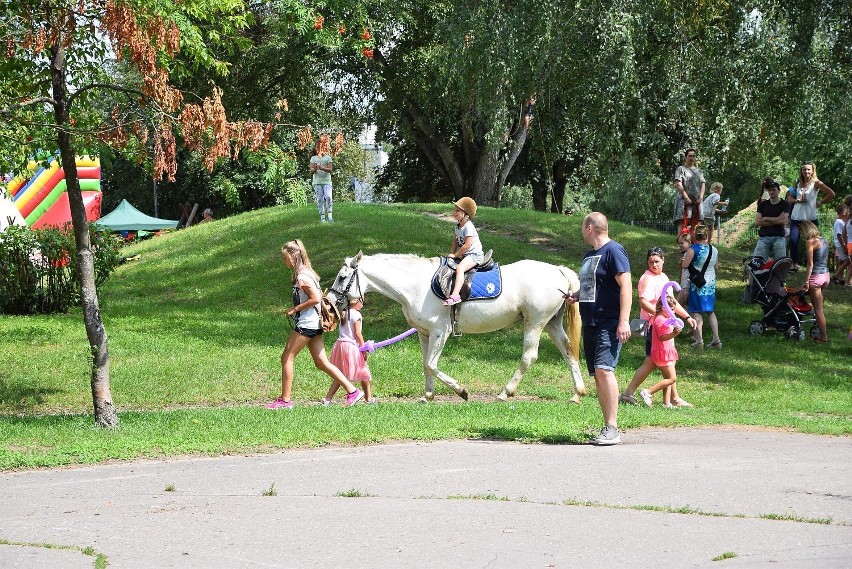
pixel 344 292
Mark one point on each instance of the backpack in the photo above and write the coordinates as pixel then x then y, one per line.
pixel 329 315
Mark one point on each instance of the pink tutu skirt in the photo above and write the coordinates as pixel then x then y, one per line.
pixel 349 360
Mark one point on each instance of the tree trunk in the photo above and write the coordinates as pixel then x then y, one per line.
pixel 557 204
pixel 105 414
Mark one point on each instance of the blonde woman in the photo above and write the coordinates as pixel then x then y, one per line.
pixel 803 196
pixel 307 331
pixel 817 276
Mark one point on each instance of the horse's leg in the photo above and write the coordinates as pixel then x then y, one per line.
pixel 532 335
pixel 430 367
pixel 560 338
pixel 429 390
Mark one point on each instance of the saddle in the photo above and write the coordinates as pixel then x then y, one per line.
pixel 481 282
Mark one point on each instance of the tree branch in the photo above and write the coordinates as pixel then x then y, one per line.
pixel 26 103
pixel 108 86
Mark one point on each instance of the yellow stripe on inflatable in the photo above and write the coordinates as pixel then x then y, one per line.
pixel 37 184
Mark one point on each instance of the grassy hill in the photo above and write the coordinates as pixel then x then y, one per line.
pixel 197 325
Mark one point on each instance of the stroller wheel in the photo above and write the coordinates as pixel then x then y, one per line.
pixel 756 328
pixel 815 333
pixel 795 333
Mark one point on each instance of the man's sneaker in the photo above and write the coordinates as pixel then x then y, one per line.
pixel 646 397
pixel 624 398
pixel 354 397
pixel 609 436
pixel 280 404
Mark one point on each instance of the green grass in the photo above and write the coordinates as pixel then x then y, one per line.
pixel 197 325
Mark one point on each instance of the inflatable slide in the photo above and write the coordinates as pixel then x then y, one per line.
pixel 42 198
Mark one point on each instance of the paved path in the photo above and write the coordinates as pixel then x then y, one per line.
pixel 452 504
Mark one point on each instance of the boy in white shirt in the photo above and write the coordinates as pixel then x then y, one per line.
pixel 711 207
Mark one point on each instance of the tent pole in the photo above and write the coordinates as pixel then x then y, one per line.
pixel 156 213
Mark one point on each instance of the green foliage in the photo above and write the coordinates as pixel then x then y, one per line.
pixel 516 197
pixel 38 268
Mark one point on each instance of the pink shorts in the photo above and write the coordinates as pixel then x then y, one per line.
pixel 818 281
pixel 664 363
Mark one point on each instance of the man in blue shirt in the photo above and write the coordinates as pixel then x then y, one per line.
pixel 605 298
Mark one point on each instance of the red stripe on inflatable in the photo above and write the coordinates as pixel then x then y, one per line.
pixel 60 213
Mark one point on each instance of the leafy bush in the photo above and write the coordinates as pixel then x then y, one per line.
pixel 38 268
pixel 517 197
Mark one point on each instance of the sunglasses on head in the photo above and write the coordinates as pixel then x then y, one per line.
pixel 658 251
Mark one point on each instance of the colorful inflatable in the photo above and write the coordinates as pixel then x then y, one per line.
pixel 42 198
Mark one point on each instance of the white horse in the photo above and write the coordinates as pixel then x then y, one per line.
pixel 532 291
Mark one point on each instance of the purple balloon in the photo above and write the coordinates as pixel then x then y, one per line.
pixel 672 319
pixel 370 346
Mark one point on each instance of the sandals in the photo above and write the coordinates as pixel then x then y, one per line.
pixel 715 344
pixel 454 299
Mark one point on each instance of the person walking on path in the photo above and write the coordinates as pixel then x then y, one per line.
pixel 308 330
pixel 322 166
pixel 605 298
pixel 689 187
pixel 803 197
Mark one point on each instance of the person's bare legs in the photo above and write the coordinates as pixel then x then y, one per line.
pixel 641 374
pixel 714 327
pixel 817 300
pixel 607 388
pixel 317 349
pixel 462 267
pixel 368 393
pixel 295 343
pixel 698 333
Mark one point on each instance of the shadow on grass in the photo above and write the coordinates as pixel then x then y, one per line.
pixel 21 398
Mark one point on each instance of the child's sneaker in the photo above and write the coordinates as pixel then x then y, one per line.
pixel 678 402
pixel 646 397
pixel 280 404
pixel 325 402
pixel 669 406
pixel 354 397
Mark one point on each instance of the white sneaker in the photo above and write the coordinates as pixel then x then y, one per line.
pixel 646 397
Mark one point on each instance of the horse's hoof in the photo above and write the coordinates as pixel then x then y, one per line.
pixel 423 400
pixel 463 394
pixel 575 398
pixel 503 396
pixel 582 392
pixel 427 397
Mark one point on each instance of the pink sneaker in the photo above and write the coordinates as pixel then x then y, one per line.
pixel 280 404
pixel 354 397
pixel 454 299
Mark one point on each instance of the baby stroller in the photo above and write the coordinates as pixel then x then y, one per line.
pixel 784 309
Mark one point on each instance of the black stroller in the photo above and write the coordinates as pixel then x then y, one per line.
pixel 784 309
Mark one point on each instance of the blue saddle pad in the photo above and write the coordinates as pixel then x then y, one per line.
pixel 484 285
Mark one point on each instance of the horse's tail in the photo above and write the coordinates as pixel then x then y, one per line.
pixel 574 328
pixel 572 313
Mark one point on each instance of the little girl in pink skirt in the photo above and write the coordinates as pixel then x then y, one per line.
pixel 346 354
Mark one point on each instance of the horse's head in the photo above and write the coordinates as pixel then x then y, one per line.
pixel 347 283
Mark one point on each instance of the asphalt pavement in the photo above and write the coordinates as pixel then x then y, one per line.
pixel 721 498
